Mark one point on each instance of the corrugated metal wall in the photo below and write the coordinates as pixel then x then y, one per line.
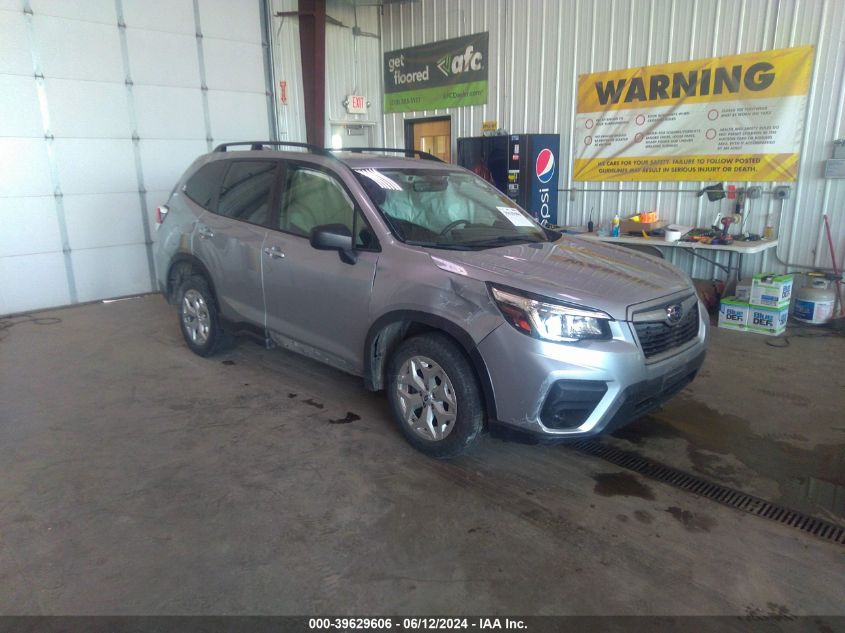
pixel 287 62
pixel 103 104
pixel 539 47
pixel 352 66
pixel 349 63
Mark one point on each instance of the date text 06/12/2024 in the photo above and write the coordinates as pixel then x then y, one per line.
pixel 414 624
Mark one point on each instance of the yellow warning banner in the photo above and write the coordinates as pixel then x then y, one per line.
pixel 725 118
pixel 713 167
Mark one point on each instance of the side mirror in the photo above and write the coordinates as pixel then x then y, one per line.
pixel 334 237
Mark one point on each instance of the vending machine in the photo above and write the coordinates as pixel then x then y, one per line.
pixel 523 166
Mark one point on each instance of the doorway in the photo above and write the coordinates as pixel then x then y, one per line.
pixel 432 135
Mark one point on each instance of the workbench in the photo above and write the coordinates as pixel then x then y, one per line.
pixel 735 251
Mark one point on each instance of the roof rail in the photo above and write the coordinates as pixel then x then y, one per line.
pixel 409 153
pixel 259 145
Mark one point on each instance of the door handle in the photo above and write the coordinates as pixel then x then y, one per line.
pixel 274 251
pixel 204 232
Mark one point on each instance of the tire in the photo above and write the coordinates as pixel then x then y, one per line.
pixel 422 375
pixel 199 320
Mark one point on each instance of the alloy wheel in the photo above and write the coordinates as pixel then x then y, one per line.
pixel 195 317
pixel 427 398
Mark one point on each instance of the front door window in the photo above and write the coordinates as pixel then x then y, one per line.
pixel 313 198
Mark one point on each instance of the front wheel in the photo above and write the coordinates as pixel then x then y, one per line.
pixel 434 395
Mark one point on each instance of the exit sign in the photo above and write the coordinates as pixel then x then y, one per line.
pixel 356 104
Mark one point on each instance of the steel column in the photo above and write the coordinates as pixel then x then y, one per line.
pixel 312 42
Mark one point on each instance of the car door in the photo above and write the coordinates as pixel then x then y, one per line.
pixel 313 297
pixel 229 237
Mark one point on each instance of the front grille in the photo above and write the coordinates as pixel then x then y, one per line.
pixel 659 337
pixel 669 388
pixel 647 395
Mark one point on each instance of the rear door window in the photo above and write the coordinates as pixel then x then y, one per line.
pixel 202 187
pixel 247 191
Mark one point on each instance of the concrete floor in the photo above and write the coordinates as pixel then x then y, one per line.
pixel 138 478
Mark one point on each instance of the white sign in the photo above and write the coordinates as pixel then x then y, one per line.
pixel 356 104
pixel 515 216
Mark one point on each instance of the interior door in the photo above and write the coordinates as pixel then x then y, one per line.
pixel 433 136
pixel 313 297
pixel 230 237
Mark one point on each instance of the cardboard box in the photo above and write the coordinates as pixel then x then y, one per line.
pixel 625 226
pixel 770 290
pixel 734 314
pixel 771 321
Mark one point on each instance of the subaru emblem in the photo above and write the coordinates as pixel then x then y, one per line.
pixel 674 313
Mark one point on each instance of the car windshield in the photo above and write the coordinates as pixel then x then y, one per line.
pixel 448 209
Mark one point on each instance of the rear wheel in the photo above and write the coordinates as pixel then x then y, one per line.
pixel 198 318
pixel 434 395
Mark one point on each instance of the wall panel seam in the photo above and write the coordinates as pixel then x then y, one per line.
pixel 209 139
pixel 51 152
pixel 136 142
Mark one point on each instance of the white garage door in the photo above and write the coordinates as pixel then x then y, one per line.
pixel 103 103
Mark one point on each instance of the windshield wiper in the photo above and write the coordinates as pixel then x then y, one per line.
pixel 444 245
pixel 502 240
pixel 397 230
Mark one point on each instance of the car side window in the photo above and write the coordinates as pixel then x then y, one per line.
pixel 203 185
pixel 313 198
pixel 247 191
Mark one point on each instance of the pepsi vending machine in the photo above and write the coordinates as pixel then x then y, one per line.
pixel 523 166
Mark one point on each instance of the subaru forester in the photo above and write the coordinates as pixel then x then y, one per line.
pixel 429 283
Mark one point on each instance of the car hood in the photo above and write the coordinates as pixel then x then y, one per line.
pixel 584 272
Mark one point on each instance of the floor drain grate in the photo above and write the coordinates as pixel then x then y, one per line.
pixel 721 494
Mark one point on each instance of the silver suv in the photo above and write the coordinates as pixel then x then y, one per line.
pixel 426 281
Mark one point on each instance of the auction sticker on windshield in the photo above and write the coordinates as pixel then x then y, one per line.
pixel 516 218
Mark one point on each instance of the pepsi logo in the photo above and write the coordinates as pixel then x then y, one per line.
pixel 545 167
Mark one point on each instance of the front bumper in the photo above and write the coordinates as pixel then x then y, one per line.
pixel 600 385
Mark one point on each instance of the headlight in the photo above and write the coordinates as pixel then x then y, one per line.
pixel 551 321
